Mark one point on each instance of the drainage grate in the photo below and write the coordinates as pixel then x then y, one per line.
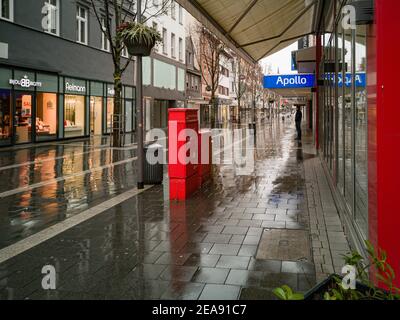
pixel 284 245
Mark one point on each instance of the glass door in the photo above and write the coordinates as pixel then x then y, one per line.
pixel 96 111
pixel 23 108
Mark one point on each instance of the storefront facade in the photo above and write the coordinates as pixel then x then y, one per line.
pixel 38 106
pixel 356 122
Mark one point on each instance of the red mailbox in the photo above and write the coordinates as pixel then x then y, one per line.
pixel 205 156
pixel 183 176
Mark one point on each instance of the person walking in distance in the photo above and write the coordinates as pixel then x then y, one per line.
pixel 298 118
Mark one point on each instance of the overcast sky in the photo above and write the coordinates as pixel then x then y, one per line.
pixel 280 60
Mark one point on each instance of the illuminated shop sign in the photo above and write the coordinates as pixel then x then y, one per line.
pixel 25 82
pixel 110 91
pixel 289 81
pixel 71 87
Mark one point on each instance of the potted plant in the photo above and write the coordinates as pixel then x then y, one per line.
pixel 139 38
pixel 332 288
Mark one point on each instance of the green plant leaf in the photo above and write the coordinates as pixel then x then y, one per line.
pixel 288 290
pixel 280 293
pixel 297 296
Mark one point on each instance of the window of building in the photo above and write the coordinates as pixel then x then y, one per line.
pixel 180 14
pixel 7 9
pixel 82 25
pixel 173 9
pixel 53 17
pixel 74 116
pixel 165 41
pixel 105 43
pixel 5 116
pixel 173 53
pixel 46 116
pixel 155 27
pixel 180 49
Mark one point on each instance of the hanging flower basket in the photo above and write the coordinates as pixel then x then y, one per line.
pixel 138 38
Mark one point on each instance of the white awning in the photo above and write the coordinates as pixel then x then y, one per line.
pixel 256 28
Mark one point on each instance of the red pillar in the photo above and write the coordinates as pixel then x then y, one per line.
pixel 384 131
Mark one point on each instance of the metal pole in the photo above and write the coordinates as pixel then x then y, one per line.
pixel 139 102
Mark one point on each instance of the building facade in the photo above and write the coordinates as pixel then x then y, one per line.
pixel 164 72
pixel 56 79
pixel 356 120
pixel 64 87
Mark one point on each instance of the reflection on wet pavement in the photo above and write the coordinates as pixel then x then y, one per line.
pixel 150 248
pixel 42 185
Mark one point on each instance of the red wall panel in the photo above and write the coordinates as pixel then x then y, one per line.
pixel 384 130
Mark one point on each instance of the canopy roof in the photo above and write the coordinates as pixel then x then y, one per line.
pixel 256 28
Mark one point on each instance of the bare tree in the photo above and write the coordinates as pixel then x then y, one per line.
pixel 240 72
pixel 208 51
pixel 256 87
pixel 111 14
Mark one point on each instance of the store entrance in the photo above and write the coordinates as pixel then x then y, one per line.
pixel 23 108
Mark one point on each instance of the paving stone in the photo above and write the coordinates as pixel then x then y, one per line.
pixel 211 275
pixel 235 230
pixel 202 260
pixel 225 249
pixel 217 238
pixel 233 262
pixel 248 250
pixel 220 292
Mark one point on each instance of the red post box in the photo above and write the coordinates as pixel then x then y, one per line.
pixel 205 156
pixel 183 152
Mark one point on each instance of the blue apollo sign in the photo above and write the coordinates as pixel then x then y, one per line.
pixel 288 81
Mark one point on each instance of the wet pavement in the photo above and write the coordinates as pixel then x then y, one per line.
pixel 45 184
pixel 148 247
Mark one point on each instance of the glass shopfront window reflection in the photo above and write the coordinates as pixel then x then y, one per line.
pixel 348 120
pixel 74 116
pixel 23 117
pixel 110 112
pixel 128 116
pixel 361 135
pixel 46 116
pixel 5 116
pixel 340 110
pixel 96 111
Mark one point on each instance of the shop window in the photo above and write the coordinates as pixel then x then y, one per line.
pixel 5 116
pixel 74 116
pixel 110 112
pixel 361 131
pixel 340 108
pixel 128 116
pixel 6 9
pixel 348 120
pixel 46 116
pixel 96 111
